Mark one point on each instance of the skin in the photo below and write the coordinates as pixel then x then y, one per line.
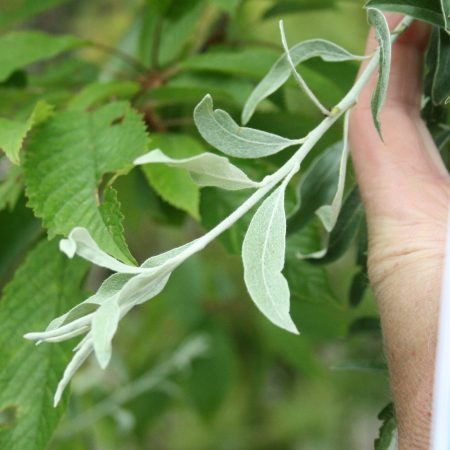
pixel 406 192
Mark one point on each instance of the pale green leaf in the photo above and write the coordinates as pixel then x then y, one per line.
pixel 263 253
pixel 96 92
pixel 45 285
pixel 13 133
pixel 206 169
pixel 22 48
pixel 66 160
pixel 426 10
pixel 222 132
pixel 377 20
pixel 281 70
pixel 104 326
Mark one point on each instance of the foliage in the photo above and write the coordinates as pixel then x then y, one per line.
pixel 77 118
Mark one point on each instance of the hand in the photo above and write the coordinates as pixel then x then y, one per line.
pixel 406 191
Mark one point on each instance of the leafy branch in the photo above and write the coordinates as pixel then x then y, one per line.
pixel 264 244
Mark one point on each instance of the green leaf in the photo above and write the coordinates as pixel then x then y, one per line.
pixel 112 217
pixel 22 230
pixel 206 169
pixel 221 131
pixel 66 160
pixel 426 10
pixel 440 91
pixel 445 5
pixel 377 19
pixel 22 48
pixel 13 133
pixel 263 253
pixel 229 6
pixel 217 365
pixel 45 285
pixel 174 184
pixel 281 70
pixel 345 230
pixel 215 205
pixel 11 188
pixel 317 187
pixel 387 435
pixel 297 6
pixel 14 11
pixel 97 92
pixel 248 62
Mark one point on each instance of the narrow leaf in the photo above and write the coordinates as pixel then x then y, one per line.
pixel 281 70
pixel 222 132
pixel 80 242
pixel 104 326
pixel 426 10
pixel 440 91
pixel 206 169
pixel 263 253
pixel 445 5
pixel 328 214
pixel 317 187
pixel 377 19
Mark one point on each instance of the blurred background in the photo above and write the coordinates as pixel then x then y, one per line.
pixel 199 367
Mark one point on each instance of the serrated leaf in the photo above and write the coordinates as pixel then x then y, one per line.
pixel 11 188
pixel 45 285
pixel 96 92
pixel 22 48
pixel 426 10
pixel 112 217
pixel 376 19
pixel 222 132
pixel 13 133
pixel 263 253
pixel 281 70
pixel 174 184
pixel 66 160
pixel 206 169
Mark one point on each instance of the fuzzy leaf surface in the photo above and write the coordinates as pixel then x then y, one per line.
pixel 426 10
pixel 222 132
pixel 263 253
pixel 377 19
pixel 281 70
